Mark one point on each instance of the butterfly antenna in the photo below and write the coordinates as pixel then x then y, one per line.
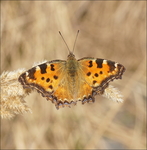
pixel 64 42
pixel 75 41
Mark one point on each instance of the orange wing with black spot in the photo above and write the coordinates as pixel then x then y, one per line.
pixel 99 72
pixel 45 78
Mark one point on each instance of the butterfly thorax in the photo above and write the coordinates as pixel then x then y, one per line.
pixel 72 65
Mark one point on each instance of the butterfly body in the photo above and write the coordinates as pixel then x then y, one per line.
pixel 66 82
pixel 72 66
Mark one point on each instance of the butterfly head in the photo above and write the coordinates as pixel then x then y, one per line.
pixel 71 56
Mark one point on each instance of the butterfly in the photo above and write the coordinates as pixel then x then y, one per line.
pixel 64 82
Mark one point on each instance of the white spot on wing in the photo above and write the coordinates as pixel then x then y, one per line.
pixel 37 68
pixel 104 61
pixel 96 84
pixel 115 64
pixel 27 73
pixel 48 64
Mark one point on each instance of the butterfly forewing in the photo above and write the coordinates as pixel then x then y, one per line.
pixel 45 78
pixel 99 72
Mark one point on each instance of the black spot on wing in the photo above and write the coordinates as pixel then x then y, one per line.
pixel 42 78
pixel 43 68
pixel 94 81
pixel 99 63
pixel 90 64
pixel 48 80
pixel 31 73
pixel 55 77
pixel 111 65
pixel 101 72
pixel 50 86
pixel 52 67
pixel 89 73
pixel 96 75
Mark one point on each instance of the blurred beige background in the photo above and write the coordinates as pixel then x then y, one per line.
pixel 114 30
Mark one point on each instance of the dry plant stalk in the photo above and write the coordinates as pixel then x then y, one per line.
pixel 13 94
pixel 113 94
